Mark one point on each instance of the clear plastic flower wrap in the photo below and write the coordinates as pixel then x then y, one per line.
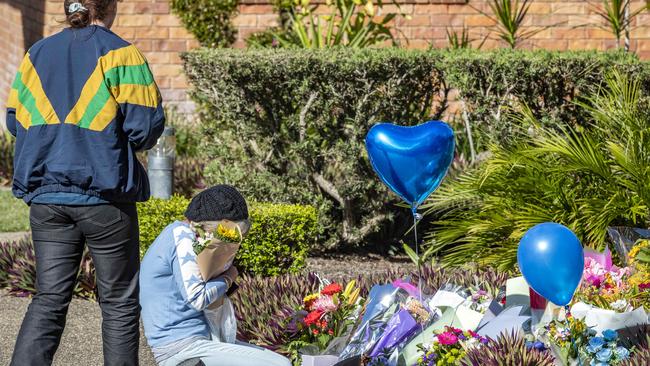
pixel 382 303
pixel 451 306
pixel 408 321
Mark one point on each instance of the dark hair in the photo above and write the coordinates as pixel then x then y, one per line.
pixel 94 10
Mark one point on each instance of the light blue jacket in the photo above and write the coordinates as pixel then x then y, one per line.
pixel 173 293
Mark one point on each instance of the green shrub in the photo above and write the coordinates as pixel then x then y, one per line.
pixel 155 214
pixel 587 179
pixel 289 125
pixel 279 239
pixel 210 21
pixel 277 243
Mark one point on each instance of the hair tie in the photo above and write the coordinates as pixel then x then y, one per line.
pixel 75 7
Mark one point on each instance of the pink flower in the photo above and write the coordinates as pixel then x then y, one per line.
pixel 619 274
pixel 604 259
pixel 324 304
pixel 447 338
pixel 594 272
pixel 644 286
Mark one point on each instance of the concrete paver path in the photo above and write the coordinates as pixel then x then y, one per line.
pixel 81 344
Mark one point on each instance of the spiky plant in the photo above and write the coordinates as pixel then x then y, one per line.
pixel 617 17
pixel 264 305
pixel 509 16
pixel 587 179
pixel 21 275
pixel 641 354
pixel 7 253
pixel 18 266
pixel 507 350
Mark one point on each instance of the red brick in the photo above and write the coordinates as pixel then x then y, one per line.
pixel 431 9
pixel 135 20
pixel 170 45
pixel 167 20
pixel 267 20
pixel 597 33
pixel 166 70
pixel 179 32
pixel 152 33
pixel 478 20
pixel 151 8
pixel 245 20
pixel 256 9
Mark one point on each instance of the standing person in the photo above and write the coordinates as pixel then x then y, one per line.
pixel 83 103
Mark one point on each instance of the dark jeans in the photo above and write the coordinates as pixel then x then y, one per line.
pixel 59 234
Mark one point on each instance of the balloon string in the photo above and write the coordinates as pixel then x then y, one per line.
pixel 416 218
pixel 574 346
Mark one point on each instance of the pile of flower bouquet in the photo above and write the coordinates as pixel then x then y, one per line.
pixel 398 325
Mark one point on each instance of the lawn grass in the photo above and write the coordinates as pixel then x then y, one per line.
pixel 14 213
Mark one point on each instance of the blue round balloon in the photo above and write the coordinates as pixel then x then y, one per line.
pixel 411 161
pixel 551 259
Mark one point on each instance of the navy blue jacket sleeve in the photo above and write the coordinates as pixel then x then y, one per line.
pixel 143 125
pixel 11 121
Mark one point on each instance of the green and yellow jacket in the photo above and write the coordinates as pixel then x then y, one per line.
pixel 83 103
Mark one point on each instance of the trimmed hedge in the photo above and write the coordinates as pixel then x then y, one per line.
pixel 277 243
pixel 289 125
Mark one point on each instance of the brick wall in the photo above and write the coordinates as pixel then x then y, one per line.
pixel 159 34
pixel 563 24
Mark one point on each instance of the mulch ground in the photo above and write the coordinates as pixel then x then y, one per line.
pixel 81 343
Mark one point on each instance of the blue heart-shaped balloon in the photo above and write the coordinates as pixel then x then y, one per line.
pixel 412 161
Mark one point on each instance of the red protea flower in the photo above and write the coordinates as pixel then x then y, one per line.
pixel 332 289
pixel 313 317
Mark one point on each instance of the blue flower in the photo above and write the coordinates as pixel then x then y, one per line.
pixel 604 354
pixel 610 335
pixel 595 344
pixel 622 353
pixel 593 349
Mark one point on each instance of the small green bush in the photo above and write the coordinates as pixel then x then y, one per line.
pixel 155 214
pixel 210 21
pixel 278 241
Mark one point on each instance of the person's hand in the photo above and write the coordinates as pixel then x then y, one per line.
pixel 230 275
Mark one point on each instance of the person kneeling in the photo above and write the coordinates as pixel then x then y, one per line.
pixel 178 298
